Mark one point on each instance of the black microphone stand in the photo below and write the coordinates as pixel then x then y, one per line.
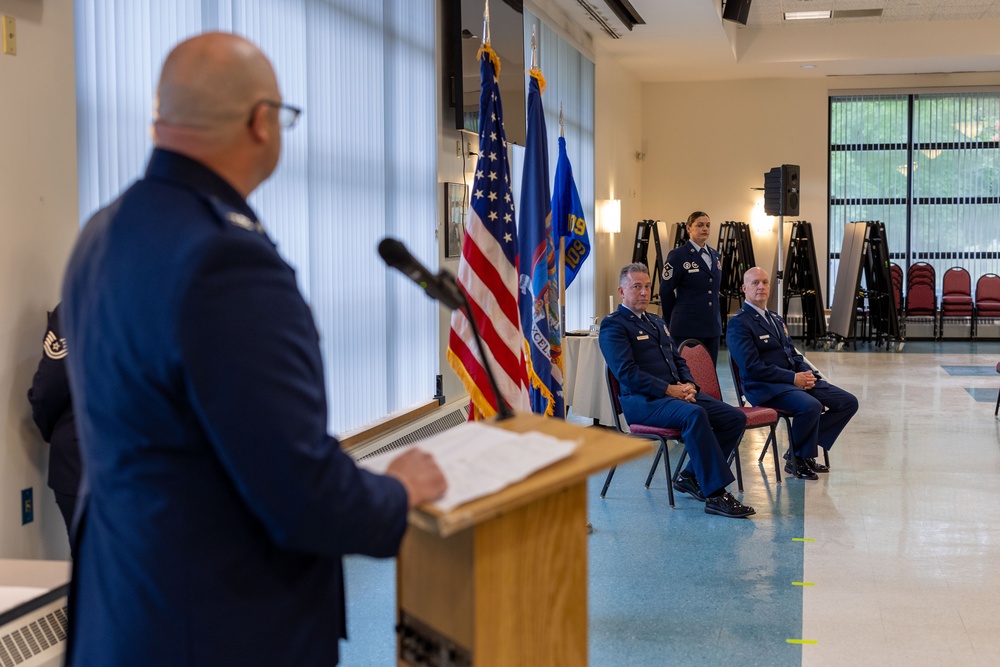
pixel 504 410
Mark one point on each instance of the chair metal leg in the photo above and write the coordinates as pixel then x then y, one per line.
pixel 767 443
pixel 791 443
pixel 665 453
pixel 826 458
pixel 996 411
pixel 607 482
pixel 656 461
pixel 739 469
pixel 680 465
pixel 774 452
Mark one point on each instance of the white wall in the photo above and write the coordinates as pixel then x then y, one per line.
pixel 39 221
pixel 618 173
pixel 709 144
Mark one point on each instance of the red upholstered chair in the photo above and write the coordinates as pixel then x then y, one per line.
pixel 921 298
pixel 699 361
pixel 956 297
pixel 987 297
pixel 772 439
pixel 660 435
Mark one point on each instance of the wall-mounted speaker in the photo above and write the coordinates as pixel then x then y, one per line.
pixel 737 11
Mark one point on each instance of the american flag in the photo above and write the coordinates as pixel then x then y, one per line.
pixel 487 270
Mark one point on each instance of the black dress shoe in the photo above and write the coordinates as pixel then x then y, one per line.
pixel 813 464
pixel 801 470
pixel 816 466
pixel 689 485
pixel 727 505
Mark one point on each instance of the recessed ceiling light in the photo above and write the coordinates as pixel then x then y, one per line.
pixel 807 66
pixel 803 16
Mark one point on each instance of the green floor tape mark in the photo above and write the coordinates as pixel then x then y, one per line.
pixel 803 583
pixel 803 539
pixel 800 641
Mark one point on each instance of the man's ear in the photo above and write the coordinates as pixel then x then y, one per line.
pixel 260 128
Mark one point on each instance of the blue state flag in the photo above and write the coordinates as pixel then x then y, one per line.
pixel 567 214
pixel 538 286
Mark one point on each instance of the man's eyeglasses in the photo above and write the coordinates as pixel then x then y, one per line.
pixel 287 114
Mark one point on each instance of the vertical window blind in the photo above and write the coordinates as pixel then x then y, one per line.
pixel 928 166
pixel 359 165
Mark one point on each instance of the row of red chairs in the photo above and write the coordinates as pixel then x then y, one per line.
pixel 956 295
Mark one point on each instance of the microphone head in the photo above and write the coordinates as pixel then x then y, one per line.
pixel 393 251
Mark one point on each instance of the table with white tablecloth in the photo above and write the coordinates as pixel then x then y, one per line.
pixel 586 390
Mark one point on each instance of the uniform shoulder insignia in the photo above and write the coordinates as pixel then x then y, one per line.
pixel 234 217
pixel 614 314
pixel 738 313
pixel 240 220
pixel 53 346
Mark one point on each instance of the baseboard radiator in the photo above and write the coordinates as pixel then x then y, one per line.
pixel 448 416
pixel 38 639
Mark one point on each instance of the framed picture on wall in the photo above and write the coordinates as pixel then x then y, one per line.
pixel 456 197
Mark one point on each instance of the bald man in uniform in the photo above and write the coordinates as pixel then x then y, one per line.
pixel 215 506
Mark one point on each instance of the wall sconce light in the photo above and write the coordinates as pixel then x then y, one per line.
pixel 761 222
pixel 609 216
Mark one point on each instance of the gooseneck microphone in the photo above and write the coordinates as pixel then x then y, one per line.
pixel 443 288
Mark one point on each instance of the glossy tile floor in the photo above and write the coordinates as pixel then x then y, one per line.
pixel 892 559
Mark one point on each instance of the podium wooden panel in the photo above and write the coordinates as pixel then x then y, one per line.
pixel 503 580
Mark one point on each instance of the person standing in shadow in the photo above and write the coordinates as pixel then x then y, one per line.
pixel 52 411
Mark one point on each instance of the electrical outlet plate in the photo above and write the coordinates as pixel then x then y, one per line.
pixel 9 35
pixel 27 506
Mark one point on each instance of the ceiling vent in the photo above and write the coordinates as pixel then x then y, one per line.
pixel 857 13
pixel 598 18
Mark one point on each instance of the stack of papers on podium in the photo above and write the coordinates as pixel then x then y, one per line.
pixel 478 460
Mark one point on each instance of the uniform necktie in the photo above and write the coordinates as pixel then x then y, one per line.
pixel 771 323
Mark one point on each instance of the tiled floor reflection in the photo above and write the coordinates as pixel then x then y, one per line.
pixel 896 553
pixel 906 540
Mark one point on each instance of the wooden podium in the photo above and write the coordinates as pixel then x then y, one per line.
pixel 502 580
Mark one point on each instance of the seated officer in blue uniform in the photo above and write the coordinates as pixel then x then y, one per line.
pixel 215 508
pixel 689 290
pixel 657 389
pixel 776 376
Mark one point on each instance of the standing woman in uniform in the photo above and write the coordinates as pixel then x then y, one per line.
pixel 689 291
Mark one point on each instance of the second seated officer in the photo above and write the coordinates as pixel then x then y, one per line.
pixel 689 290
pixel 657 389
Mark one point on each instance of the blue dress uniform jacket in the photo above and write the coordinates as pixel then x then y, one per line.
pixel 52 411
pixel 767 359
pixel 642 358
pixel 689 294
pixel 216 507
pixel 768 362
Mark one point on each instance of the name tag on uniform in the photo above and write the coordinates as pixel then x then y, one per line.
pixel 694 270
pixel 765 337
pixel 642 337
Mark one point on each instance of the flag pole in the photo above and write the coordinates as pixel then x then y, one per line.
pixel 562 265
pixel 486 23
